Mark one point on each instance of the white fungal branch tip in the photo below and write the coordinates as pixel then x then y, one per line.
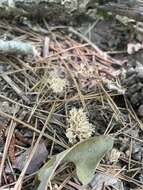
pixel 79 126
pixel 57 84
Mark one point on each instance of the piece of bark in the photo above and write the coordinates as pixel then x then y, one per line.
pixel 52 10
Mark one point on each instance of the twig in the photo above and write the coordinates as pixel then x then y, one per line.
pixel 46 47
pixel 17 47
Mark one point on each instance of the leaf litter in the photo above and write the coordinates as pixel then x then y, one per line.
pixel 90 80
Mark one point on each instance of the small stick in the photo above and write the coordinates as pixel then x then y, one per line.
pixel 17 47
pixel 46 47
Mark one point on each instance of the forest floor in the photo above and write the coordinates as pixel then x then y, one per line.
pixel 72 68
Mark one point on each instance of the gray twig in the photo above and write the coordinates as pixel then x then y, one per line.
pixel 17 47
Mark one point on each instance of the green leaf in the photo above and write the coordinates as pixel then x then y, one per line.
pixel 86 155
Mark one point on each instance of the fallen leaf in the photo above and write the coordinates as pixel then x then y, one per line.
pixel 38 158
pixel 85 155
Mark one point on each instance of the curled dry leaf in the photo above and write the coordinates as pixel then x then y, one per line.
pixel 38 158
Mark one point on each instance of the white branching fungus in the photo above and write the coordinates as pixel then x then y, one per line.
pixel 79 126
pixel 57 84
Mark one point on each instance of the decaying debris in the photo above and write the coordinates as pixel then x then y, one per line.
pixel 114 86
pixel 102 181
pixel 11 151
pixel 2 134
pixel 64 10
pixel 134 85
pixel 79 126
pixel 133 11
pixel 15 87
